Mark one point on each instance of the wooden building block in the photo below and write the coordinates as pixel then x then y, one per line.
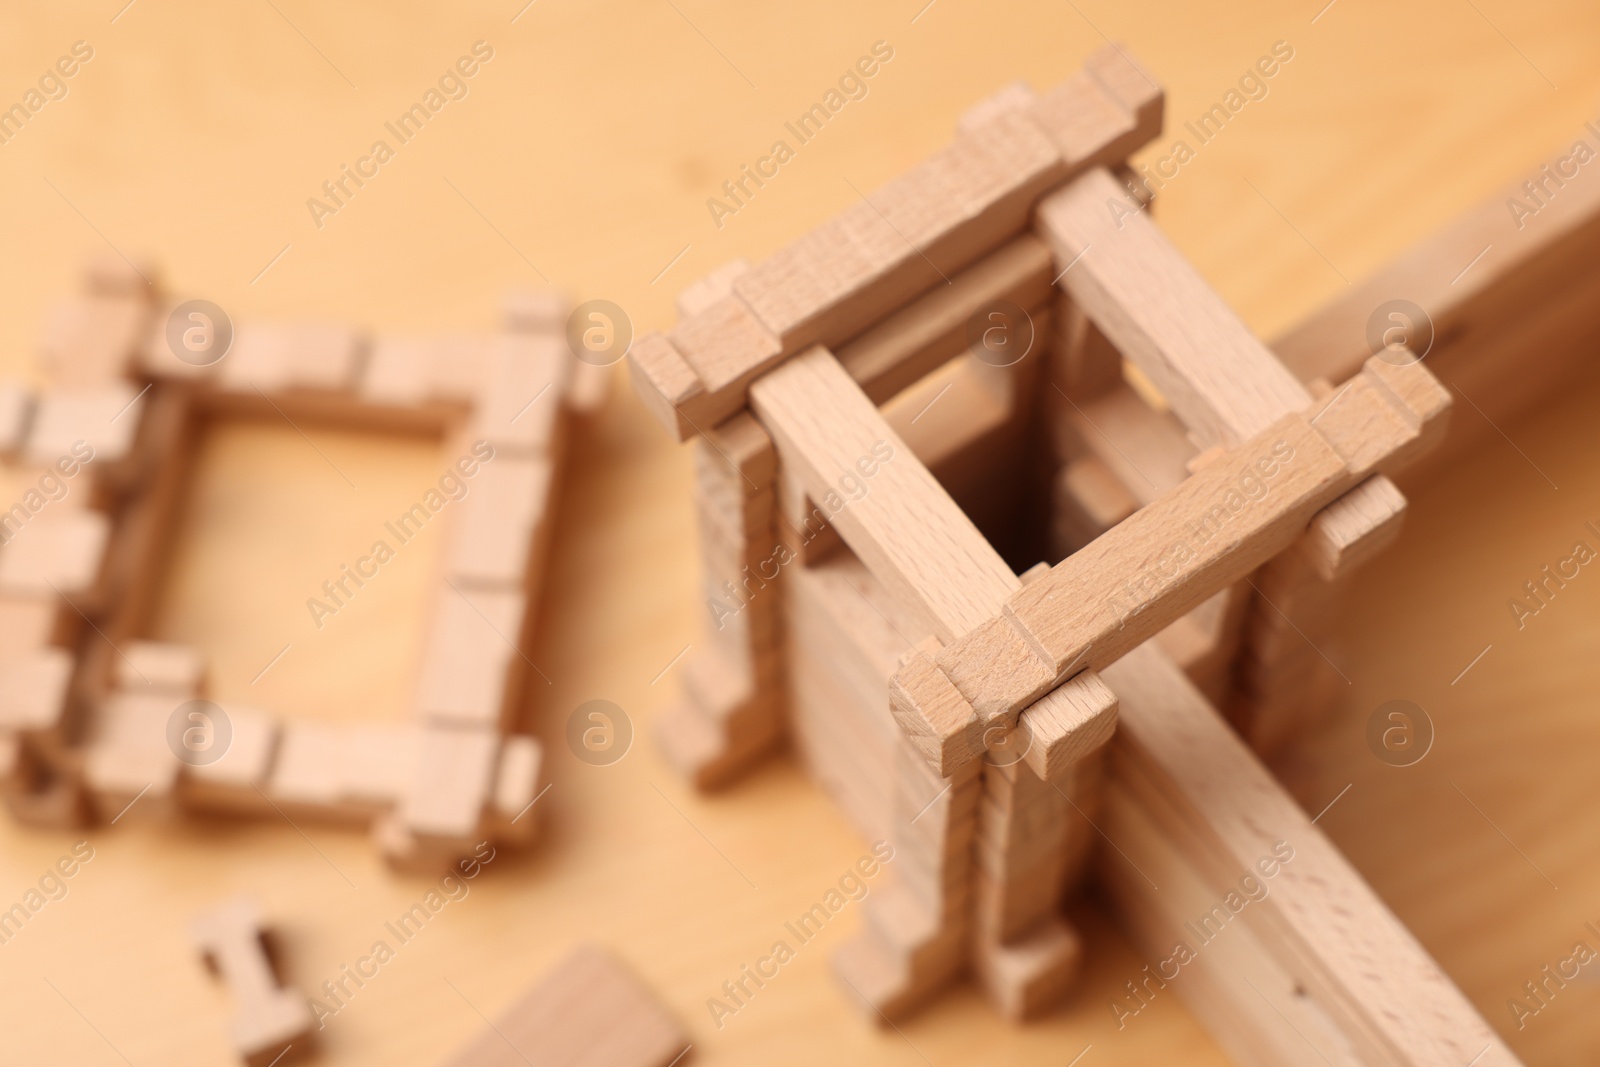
pixel 104 418
pixel 671 390
pixel 1089 500
pixel 471 656
pixel 588 1011
pixel 703 292
pixel 518 405
pixel 904 526
pixel 1027 977
pixel 1193 808
pixel 238 780
pixel 1354 528
pixel 58 552
pixel 275 357
pixel 1068 724
pixel 443 812
pixel 89 341
pixel 503 518
pixel 1133 87
pixel 268 1019
pixel 1086 123
pixel 1223 382
pixel 724 342
pixel 343 773
pixel 1015 96
pixel 178 670
pixel 932 329
pixel 33 690
pixel 127 757
pixel 513 815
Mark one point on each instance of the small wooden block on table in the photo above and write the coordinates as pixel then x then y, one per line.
pixel 590 1011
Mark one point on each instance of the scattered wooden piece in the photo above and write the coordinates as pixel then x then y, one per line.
pixel 588 1011
pixel 268 1020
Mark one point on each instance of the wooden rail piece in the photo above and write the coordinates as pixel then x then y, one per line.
pixel 1265 907
pixel 1227 519
pixel 589 1011
pixel 885 504
pixel 915 233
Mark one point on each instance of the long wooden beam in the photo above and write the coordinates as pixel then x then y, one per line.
pixel 1287 956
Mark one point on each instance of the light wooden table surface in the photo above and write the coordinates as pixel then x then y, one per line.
pixel 584 153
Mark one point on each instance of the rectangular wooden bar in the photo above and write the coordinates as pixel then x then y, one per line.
pixel 1200 818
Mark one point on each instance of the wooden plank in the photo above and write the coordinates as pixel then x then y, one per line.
pixel 932 329
pixel 1319 926
pixel 889 509
pixel 588 1011
pixel 1157 310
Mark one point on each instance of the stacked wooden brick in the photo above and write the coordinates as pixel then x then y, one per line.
pixel 433 787
pixel 79 442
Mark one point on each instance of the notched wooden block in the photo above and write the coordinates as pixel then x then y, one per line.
pixel 518 404
pixel 934 716
pixel 724 342
pixel 56 553
pixel 669 387
pixel 703 292
pixel 493 540
pixel 1069 723
pixel 89 341
pixel 273 356
pixel 1354 528
pixel 471 644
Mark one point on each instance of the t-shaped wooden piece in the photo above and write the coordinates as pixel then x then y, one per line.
pixel 269 1019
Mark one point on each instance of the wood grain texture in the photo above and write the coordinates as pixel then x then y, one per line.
pixel 889 509
pixel 1212 802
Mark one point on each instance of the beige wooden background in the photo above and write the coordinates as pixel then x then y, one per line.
pixel 585 151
